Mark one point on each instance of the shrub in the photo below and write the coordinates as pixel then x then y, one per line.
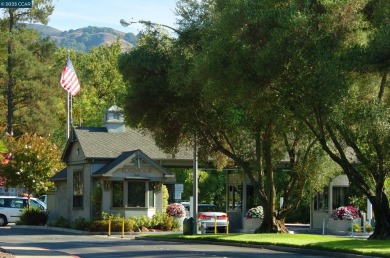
pixel 157 220
pixel 356 228
pixel 369 228
pixel 60 222
pixel 143 221
pixel 81 224
pixel 34 216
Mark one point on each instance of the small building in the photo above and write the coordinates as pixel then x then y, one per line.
pixel 124 163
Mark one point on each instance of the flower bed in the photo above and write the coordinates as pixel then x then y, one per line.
pixel 345 213
pixel 255 212
pixel 343 218
pixel 176 210
pixel 253 219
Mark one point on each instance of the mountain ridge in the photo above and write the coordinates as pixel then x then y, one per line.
pixel 84 39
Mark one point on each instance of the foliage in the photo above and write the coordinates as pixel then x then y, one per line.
pixel 80 224
pixel 60 222
pixel 100 80
pixel 34 216
pixel 356 228
pixel 159 221
pixel 165 196
pixel 369 228
pixel 220 79
pixel 255 212
pixel 35 159
pixel 176 210
pixel 345 213
pixel 211 185
pixel 22 59
pixel 97 199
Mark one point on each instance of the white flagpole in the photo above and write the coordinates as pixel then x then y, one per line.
pixel 68 108
pixel 67 116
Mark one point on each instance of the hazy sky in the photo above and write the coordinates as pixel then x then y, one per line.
pixel 74 14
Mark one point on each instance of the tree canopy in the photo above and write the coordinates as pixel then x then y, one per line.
pixel 259 80
pixel 34 160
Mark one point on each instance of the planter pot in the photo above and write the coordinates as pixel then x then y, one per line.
pixel 342 225
pixel 250 224
pixel 179 221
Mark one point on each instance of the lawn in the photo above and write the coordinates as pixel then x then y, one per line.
pixel 318 242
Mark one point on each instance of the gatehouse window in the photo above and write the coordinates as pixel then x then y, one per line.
pixel 117 194
pixel 136 194
pixel 320 200
pixel 340 197
pixel 152 185
pixel 78 189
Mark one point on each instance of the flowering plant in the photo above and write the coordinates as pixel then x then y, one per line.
pixel 255 212
pixel 345 212
pixel 176 210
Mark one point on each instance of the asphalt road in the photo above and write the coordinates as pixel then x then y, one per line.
pixel 27 242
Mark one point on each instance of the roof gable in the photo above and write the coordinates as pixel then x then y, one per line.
pixel 133 165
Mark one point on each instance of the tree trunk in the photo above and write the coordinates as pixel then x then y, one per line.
pixel 272 225
pixel 380 206
pixel 10 87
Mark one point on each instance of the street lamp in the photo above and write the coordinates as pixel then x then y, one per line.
pixel 125 23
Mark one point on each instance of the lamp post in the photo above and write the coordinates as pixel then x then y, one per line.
pixel 194 207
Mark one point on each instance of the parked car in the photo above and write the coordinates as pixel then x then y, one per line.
pixel 43 198
pixel 12 206
pixel 207 214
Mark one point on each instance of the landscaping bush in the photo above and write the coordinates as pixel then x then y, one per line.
pixel 356 228
pixel 34 216
pixel 81 224
pixel 159 221
pixel 369 228
pixel 60 222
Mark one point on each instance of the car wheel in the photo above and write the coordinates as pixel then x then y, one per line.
pixel 3 220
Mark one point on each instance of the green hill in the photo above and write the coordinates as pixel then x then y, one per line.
pixel 84 39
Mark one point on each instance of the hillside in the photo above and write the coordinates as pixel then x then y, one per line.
pixel 85 38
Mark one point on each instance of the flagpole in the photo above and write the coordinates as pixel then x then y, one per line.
pixel 67 116
pixel 68 108
pixel 70 83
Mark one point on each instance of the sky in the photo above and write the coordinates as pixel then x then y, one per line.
pixel 75 14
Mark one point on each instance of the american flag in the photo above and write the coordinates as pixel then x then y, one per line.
pixel 69 79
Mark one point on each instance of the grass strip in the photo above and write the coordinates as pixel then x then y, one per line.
pixel 380 248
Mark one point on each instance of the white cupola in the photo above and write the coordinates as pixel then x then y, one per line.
pixel 114 119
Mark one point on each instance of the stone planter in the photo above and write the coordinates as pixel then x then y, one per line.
pixel 179 221
pixel 342 225
pixel 250 224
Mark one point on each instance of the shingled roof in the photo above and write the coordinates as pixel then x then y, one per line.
pixel 98 143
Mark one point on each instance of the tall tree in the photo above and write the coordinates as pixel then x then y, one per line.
pixel 217 79
pixel 101 83
pixel 40 11
pixel 34 160
pixel 336 84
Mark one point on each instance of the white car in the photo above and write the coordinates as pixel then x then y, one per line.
pixel 209 217
pixel 12 206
